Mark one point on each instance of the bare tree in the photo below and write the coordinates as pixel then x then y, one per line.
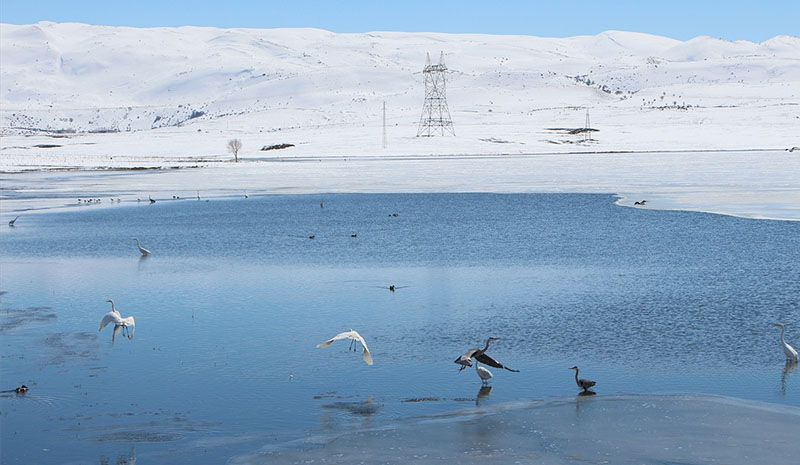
pixel 234 145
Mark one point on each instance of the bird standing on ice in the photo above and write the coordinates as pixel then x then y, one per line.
pixel 484 374
pixel 11 223
pixel 582 383
pixel 355 338
pixel 791 354
pixel 142 250
pixel 125 324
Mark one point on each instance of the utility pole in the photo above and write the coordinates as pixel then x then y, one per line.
pixel 385 142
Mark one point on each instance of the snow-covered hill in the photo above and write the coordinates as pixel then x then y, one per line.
pixel 124 91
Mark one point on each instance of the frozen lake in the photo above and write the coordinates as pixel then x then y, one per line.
pixel 670 312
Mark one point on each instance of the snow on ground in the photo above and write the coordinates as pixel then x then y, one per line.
pixel 709 120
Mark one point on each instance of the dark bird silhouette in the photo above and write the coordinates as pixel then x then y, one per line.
pixel 643 202
pixel 480 356
pixel 151 199
pixel 11 223
pixel 582 383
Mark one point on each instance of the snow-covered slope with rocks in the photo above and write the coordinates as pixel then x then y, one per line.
pixel 324 92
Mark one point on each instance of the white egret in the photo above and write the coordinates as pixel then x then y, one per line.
pixel 484 374
pixel 791 354
pixel 125 324
pixel 11 223
pixel 582 383
pixel 355 338
pixel 143 251
pixel 480 356
pixel 113 307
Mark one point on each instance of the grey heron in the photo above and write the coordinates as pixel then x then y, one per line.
pixel 480 356
pixel 125 324
pixel 791 353
pixel 142 250
pixel 582 383
pixel 355 338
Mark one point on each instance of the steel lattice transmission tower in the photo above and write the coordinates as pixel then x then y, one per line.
pixel 586 128
pixel 435 117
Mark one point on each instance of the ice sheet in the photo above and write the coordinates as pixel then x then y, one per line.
pixel 688 429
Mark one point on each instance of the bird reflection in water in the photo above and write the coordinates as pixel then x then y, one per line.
pixel 788 369
pixel 483 394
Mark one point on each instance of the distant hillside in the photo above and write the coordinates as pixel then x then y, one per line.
pixel 79 78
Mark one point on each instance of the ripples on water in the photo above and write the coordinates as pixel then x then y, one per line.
pixel 235 297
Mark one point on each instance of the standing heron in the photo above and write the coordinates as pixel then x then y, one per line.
pixel 11 223
pixel 791 354
pixel 128 325
pixel 142 250
pixel 484 374
pixel 480 356
pixel 582 383
pixel 355 338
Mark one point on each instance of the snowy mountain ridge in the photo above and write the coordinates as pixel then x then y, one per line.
pixel 80 78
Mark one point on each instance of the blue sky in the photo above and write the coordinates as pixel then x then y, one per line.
pixel 679 19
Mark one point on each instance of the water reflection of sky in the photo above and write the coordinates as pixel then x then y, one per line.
pixel 234 299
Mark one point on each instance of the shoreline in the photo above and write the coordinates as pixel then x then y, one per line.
pixel 753 183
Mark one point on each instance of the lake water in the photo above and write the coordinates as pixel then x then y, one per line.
pixel 670 312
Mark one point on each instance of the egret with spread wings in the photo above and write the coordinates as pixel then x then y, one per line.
pixel 125 324
pixel 355 338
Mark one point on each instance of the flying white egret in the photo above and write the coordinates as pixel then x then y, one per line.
pixel 355 338
pixel 582 383
pixel 141 249
pixel 791 354
pixel 125 324
pixel 113 307
pixel 484 374
pixel 480 356
pixel 11 223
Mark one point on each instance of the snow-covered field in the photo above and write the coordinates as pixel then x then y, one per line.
pixel 704 124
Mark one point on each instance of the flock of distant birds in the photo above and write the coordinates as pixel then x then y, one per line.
pixel 477 356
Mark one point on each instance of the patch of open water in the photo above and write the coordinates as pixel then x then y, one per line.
pixel 235 297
